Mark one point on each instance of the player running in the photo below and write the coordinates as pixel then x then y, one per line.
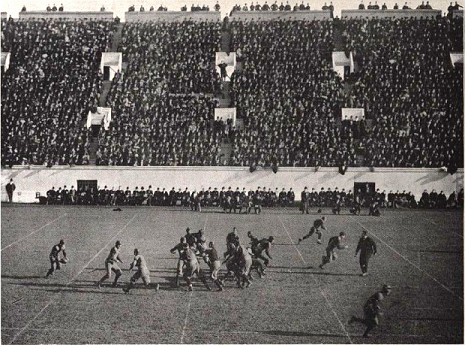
pixel 111 264
pixel 142 271
pixel 55 261
pixel 333 244
pixel 317 225
pixel 372 311
pixel 180 248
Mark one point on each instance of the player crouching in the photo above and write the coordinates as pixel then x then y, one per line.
pixel 55 260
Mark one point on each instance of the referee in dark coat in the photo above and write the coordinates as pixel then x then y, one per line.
pixel 367 248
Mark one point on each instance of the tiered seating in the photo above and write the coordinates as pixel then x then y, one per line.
pixel 410 89
pixel 52 82
pixel 288 95
pixel 157 120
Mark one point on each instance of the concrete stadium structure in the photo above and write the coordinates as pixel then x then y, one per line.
pixel 38 179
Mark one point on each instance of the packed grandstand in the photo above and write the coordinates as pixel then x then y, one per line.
pixel 286 93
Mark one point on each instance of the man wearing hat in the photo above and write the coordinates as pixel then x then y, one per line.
pixel 111 264
pixel 367 248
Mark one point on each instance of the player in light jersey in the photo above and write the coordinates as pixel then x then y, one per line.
pixel 192 267
pixel 111 264
pixel 55 261
pixel 142 271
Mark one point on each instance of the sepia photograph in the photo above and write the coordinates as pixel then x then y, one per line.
pixel 225 172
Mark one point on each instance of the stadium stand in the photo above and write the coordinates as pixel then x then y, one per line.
pixel 158 120
pixel 51 84
pixel 288 96
pixel 409 89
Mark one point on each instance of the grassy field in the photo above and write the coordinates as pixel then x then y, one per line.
pixel 420 254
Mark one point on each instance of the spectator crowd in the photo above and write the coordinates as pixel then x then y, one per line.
pixel 286 93
pixel 288 96
pixel 409 88
pixel 158 120
pixel 52 82
pixel 230 199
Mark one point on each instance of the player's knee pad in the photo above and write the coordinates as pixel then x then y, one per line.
pixel 118 273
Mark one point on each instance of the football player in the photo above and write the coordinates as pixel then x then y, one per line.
pixel 142 271
pixel 180 248
pixel 317 225
pixel 372 311
pixel 192 268
pixel 333 243
pixel 55 261
pixel 264 245
pixel 111 264
pixel 215 264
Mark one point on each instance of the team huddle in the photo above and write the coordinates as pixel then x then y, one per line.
pixel 242 257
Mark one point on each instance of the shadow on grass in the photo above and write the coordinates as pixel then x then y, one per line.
pixel 303 334
pixel 21 277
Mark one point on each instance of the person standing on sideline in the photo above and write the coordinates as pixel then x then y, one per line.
pixel 10 188
pixel 367 248
pixel 305 199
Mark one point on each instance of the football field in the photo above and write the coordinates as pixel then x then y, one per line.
pixel 420 254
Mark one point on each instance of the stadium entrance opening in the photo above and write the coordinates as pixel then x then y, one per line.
pixel 86 185
pixel 106 72
pixel 364 189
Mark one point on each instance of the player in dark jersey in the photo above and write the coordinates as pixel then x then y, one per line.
pixel 372 310
pixel 367 248
pixel 180 247
pixel 232 242
pixel 264 245
pixel 333 244
pixel 215 264
pixel 55 261
pixel 190 238
pixel 253 240
pixel 317 225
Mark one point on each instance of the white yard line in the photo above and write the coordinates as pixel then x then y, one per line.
pixel 316 282
pixel 186 318
pixel 183 333
pixel 406 259
pixel 35 231
pixel 61 290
